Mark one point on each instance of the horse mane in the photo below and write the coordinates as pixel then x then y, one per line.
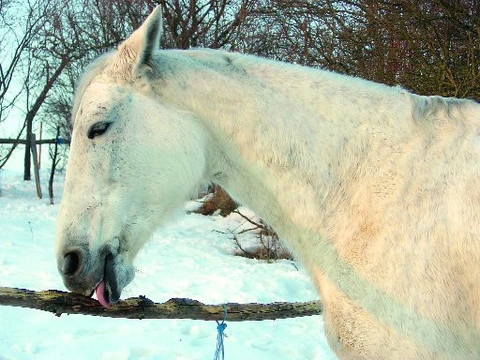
pixel 430 108
pixel 424 108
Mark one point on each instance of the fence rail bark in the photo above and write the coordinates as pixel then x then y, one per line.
pixel 60 302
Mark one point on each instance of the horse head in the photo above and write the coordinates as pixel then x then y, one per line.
pixel 133 161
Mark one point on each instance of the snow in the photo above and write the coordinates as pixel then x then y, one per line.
pixel 191 257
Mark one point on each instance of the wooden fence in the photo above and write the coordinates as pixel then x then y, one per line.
pixel 36 161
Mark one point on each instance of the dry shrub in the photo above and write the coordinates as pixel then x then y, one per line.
pixel 269 246
pixel 217 202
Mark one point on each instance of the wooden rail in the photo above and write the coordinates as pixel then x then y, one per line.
pixel 23 141
pixel 60 302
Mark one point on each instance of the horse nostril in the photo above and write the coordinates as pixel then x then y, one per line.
pixel 71 263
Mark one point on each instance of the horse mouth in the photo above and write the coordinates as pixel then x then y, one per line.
pixel 107 290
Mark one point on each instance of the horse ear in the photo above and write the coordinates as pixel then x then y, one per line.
pixel 135 53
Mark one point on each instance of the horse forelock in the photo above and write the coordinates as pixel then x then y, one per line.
pixel 91 71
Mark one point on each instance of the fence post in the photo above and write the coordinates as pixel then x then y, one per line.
pixel 54 166
pixel 33 149
pixel 40 147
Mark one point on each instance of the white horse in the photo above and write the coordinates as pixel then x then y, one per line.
pixel 375 190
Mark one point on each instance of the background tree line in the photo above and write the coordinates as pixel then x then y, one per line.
pixel 426 46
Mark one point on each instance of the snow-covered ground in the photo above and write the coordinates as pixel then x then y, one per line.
pixel 190 258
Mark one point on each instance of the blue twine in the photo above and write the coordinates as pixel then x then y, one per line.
pixel 221 326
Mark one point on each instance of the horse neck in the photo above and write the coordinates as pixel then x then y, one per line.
pixel 275 125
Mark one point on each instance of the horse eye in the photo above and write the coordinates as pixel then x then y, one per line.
pixel 98 129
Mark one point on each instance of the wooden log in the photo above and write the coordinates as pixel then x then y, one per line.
pixel 60 302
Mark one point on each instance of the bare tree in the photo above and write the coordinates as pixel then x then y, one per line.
pixel 16 34
pixel 19 25
pixel 202 23
pixel 430 46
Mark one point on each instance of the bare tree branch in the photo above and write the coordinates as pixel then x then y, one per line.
pixel 59 302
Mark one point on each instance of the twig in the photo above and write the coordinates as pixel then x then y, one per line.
pixel 60 302
pixel 236 211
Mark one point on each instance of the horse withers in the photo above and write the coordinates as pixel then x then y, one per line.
pixel 374 189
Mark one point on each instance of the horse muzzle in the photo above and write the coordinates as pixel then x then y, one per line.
pixel 103 272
